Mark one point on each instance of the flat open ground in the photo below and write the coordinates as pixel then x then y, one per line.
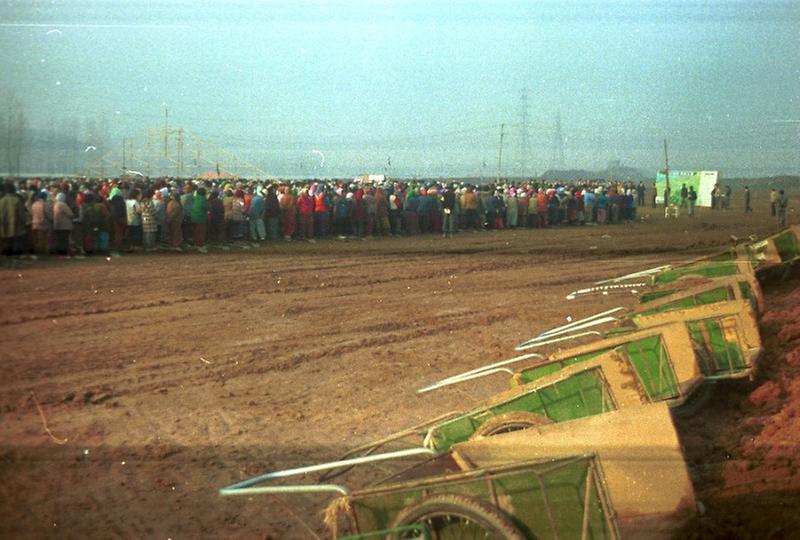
pixel 168 376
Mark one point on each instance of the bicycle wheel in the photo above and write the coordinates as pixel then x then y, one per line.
pixel 511 421
pixel 457 517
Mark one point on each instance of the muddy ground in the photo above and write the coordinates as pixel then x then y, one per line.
pixel 133 388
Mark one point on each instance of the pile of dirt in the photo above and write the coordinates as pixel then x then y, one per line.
pixel 743 449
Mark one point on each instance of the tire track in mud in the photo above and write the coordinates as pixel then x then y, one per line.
pixel 159 374
pixel 170 372
pixel 326 283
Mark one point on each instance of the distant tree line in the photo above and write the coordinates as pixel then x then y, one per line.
pixel 67 146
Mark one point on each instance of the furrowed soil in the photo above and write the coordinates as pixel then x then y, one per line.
pixel 134 388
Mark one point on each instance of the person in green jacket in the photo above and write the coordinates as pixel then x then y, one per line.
pixel 200 218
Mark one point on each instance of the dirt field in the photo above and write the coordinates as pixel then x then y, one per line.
pixel 169 376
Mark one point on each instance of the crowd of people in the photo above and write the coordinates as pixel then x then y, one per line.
pixel 76 217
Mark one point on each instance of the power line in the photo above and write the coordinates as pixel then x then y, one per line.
pixel 524 143
pixel 557 159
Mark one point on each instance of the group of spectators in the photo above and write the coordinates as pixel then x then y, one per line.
pixel 68 216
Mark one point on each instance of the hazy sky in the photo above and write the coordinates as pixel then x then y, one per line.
pixel 423 85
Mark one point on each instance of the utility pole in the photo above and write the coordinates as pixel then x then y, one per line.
pixel 558 143
pixel 166 128
pixel 180 152
pixel 500 154
pixel 666 170
pixel 524 144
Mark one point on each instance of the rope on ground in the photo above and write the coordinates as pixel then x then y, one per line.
pixel 44 422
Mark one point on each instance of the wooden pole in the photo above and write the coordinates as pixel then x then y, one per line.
pixel 500 154
pixel 666 160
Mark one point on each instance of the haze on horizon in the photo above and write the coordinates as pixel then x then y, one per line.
pixel 416 88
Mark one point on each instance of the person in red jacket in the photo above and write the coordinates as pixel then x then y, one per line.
pixel 322 211
pixel 305 215
pixel 288 212
pixel 359 213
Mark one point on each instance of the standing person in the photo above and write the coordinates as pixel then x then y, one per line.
pixel 541 209
pixel 601 203
pixel 258 232
pixel 424 206
pixel 62 224
pixel 371 212
pixel 588 205
pixel 613 205
pixel 448 199
pixel 227 206
pixel 522 208
pixel 436 210
pixel 119 218
pixel 782 202
pixel 628 213
pixel 288 206
pixel 410 215
pixel 41 223
pixel 512 208
pixel 667 191
pixel 187 200
pixel 12 222
pixel 773 199
pixel 149 222
pixel 237 214
pixel 216 218
pixel 684 195
pixel 552 208
pixel 90 222
pixel 272 213
pixel 305 215
pixel 396 211
pixel 247 198
pixel 469 203
pixel 726 198
pixel 160 205
pixel 381 212
pixel 341 214
pixel 200 219
pixel 653 196
pixel 500 209
pixel 747 208
pixel 691 199
pixel 322 212
pixel 359 214
pixel 134 220
pixel 640 194
pixel 102 224
pixel 175 221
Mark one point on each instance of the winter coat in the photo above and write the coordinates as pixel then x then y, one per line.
pixel 174 211
pixel 62 217
pixel 12 216
pixel 199 210
pixel 42 215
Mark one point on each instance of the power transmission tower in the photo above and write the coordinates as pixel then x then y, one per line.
pixel 146 153
pixel 500 153
pixel 557 159
pixel 524 143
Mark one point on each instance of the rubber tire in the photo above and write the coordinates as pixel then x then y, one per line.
pixel 510 421
pixel 494 523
